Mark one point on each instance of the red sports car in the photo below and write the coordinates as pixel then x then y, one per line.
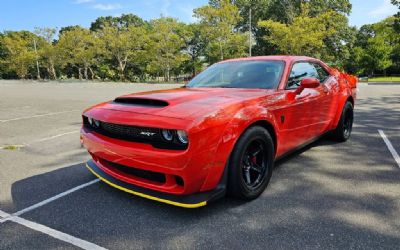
pixel 220 133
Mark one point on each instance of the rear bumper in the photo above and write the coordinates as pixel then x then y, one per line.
pixel 187 201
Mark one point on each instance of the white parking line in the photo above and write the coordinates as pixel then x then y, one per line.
pixel 42 140
pixel 35 116
pixel 51 199
pixel 390 147
pixel 3 214
pixel 55 136
pixel 54 233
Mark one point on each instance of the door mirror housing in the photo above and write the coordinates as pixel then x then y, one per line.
pixel 307 83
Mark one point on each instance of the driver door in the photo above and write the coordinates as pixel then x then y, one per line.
pixel 305 116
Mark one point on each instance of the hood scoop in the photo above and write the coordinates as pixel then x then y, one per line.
pixel 144 102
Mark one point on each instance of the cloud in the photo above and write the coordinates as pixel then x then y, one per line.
pixel 83 1
pixel 107 6
pixel 384 10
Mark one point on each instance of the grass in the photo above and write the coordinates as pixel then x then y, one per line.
pixel 385 79
pixel 12 147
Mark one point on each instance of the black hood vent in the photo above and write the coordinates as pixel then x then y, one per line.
pixel 141 102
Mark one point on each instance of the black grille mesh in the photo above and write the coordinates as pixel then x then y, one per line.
pixel 144 174
pixel 130 131
pixel 133 133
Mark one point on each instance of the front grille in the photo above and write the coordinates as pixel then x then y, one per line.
pixel 130 132
pixel 143 174
pixel 146 135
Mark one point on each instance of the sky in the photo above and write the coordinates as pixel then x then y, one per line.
pixel 27 14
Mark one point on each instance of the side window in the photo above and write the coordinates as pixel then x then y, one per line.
pixel 299 71
pixel 322 73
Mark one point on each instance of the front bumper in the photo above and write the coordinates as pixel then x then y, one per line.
pixel 187 201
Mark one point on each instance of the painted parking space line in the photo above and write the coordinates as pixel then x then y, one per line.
pixel 36 116
pixel 51 199
pixel 3 214
pixel 390 147
pixel 55 136
pixel 41 140
pixel 54 233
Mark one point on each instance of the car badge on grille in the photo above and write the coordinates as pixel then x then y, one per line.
pixel 147 133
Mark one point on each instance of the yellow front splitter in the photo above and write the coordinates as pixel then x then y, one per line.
pixel 189 201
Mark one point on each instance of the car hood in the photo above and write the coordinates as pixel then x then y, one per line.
pixel 183 103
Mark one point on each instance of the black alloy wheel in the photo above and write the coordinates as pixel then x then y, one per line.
pixel 251 163
pixel 345 126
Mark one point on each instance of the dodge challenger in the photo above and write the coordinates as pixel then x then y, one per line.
pixel 219 134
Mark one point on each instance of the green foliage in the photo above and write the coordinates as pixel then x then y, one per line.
pixel 218 23
pixel 79 47
pixel 376 49
pixel 323 36
pixel 18 52
pixel 122 45
pixel 194 46
pixel 165 46
pixel 47 50
pixel 122 22
pixel 377 54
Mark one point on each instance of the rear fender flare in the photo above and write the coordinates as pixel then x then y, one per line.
pixel 346 96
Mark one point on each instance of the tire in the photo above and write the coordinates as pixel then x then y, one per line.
pixel 249 171
pixel 343 130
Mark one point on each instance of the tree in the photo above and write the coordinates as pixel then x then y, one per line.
pixel 19 55
pixel 79 47
pixel 218 23
pixel 47 50
pixel 380 46
pixel 194 45
pixel 3 69
pixel 324 36
pixel 377 54
pixel 123 45
pixel 282 11
pixel 166 47
pixel 396 24
pixel 122 22
pixel 68 28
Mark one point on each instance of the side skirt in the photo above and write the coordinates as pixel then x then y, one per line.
pixel 301 147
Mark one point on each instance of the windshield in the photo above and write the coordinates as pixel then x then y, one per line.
pixel 240 74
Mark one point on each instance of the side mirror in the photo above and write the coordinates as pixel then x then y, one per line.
pixel 307 83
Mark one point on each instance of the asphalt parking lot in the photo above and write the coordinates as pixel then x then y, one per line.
pixel 326 196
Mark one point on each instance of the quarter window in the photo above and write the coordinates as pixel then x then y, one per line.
pixel 300 71
pixel 322 73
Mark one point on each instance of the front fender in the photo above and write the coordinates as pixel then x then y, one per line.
pixel 240 122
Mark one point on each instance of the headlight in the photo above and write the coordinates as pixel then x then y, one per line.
pixel 96 123
pixel 167 134
pixel 182 136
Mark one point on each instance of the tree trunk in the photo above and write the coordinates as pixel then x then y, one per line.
pixel 37 60
pixel 91 73
pixel 221 50
pixel 80 73
pixel 121 71
pixel 168 75
pixel 85 72
pixel 53 72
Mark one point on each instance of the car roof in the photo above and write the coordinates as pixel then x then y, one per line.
pixel 273 58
